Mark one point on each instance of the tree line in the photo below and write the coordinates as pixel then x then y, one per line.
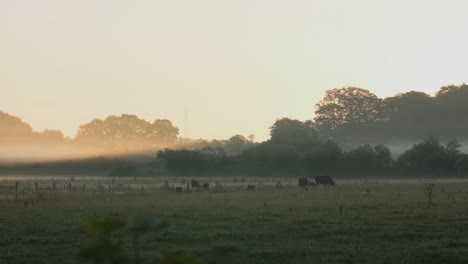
pixel 347 116
pixel 298 148
pixel 356 115
pixel 125 132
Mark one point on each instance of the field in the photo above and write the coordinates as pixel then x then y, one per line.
pixel 359 221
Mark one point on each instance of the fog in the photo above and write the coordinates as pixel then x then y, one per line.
pixel 353 131
pixel 399 147
pixel 20 153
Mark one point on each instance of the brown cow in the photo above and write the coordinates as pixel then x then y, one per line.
pixel 304 183
pixel 325 181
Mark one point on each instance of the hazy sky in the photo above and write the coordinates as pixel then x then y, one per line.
pixel 237 65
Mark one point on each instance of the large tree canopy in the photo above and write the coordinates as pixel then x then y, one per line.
pixel 12 129
pixel 127 132
pixel 451 111
pixel 406 108
pixel 348 106
pixel 294 132
pixel 410 116
pixel 353 115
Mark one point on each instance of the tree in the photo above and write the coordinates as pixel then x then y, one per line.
pixel 429 158
pixel 453 148
pixel 367 159
pixel 213 152
pixel 13 130
pixel 383 156
pixel 127 132
pixel 287 131
pixel 49 136
pixel 183 161
pixel 452 90
pixel 462 166
pixel 272 155
pixel 236 144
pixel 162 132
pixel 323 157
pixel 450 114
pixel 358 160
pixel 348 106
pixel 410 115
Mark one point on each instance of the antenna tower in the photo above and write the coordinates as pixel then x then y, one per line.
pixel 185 119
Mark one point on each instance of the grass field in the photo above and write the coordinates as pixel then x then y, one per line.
pixel 372 221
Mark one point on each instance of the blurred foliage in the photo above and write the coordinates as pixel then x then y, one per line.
pixel 178 257
pixel 110 235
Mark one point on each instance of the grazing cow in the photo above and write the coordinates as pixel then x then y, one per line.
pixel 251 188
pixel 196 185
pixel 304 183
pixel 324 180
pixel 206 186
pixel 179 189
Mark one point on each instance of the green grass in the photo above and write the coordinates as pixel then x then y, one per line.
pixel 380 221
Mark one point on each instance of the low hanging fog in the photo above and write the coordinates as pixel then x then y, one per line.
pixel 353 132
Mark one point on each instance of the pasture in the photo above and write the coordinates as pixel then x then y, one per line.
pixel 359 221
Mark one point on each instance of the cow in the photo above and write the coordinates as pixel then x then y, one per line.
pixel 179 189
pixel 196 185
pixel 206 186
pixel 304 183
pixel 251 188
pixel 325 181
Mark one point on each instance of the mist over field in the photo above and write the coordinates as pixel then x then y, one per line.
pixel 325 188
pixel 227 132
pixel 23 153
pixel 353 133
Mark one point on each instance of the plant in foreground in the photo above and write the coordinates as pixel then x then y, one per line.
pixel 429 190
pixel 108 244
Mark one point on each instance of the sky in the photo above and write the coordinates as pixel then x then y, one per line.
pixel 236 66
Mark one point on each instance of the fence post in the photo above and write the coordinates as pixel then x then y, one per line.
pixel 16 190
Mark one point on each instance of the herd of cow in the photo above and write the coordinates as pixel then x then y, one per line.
pixel 195 186
pixel 304 183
